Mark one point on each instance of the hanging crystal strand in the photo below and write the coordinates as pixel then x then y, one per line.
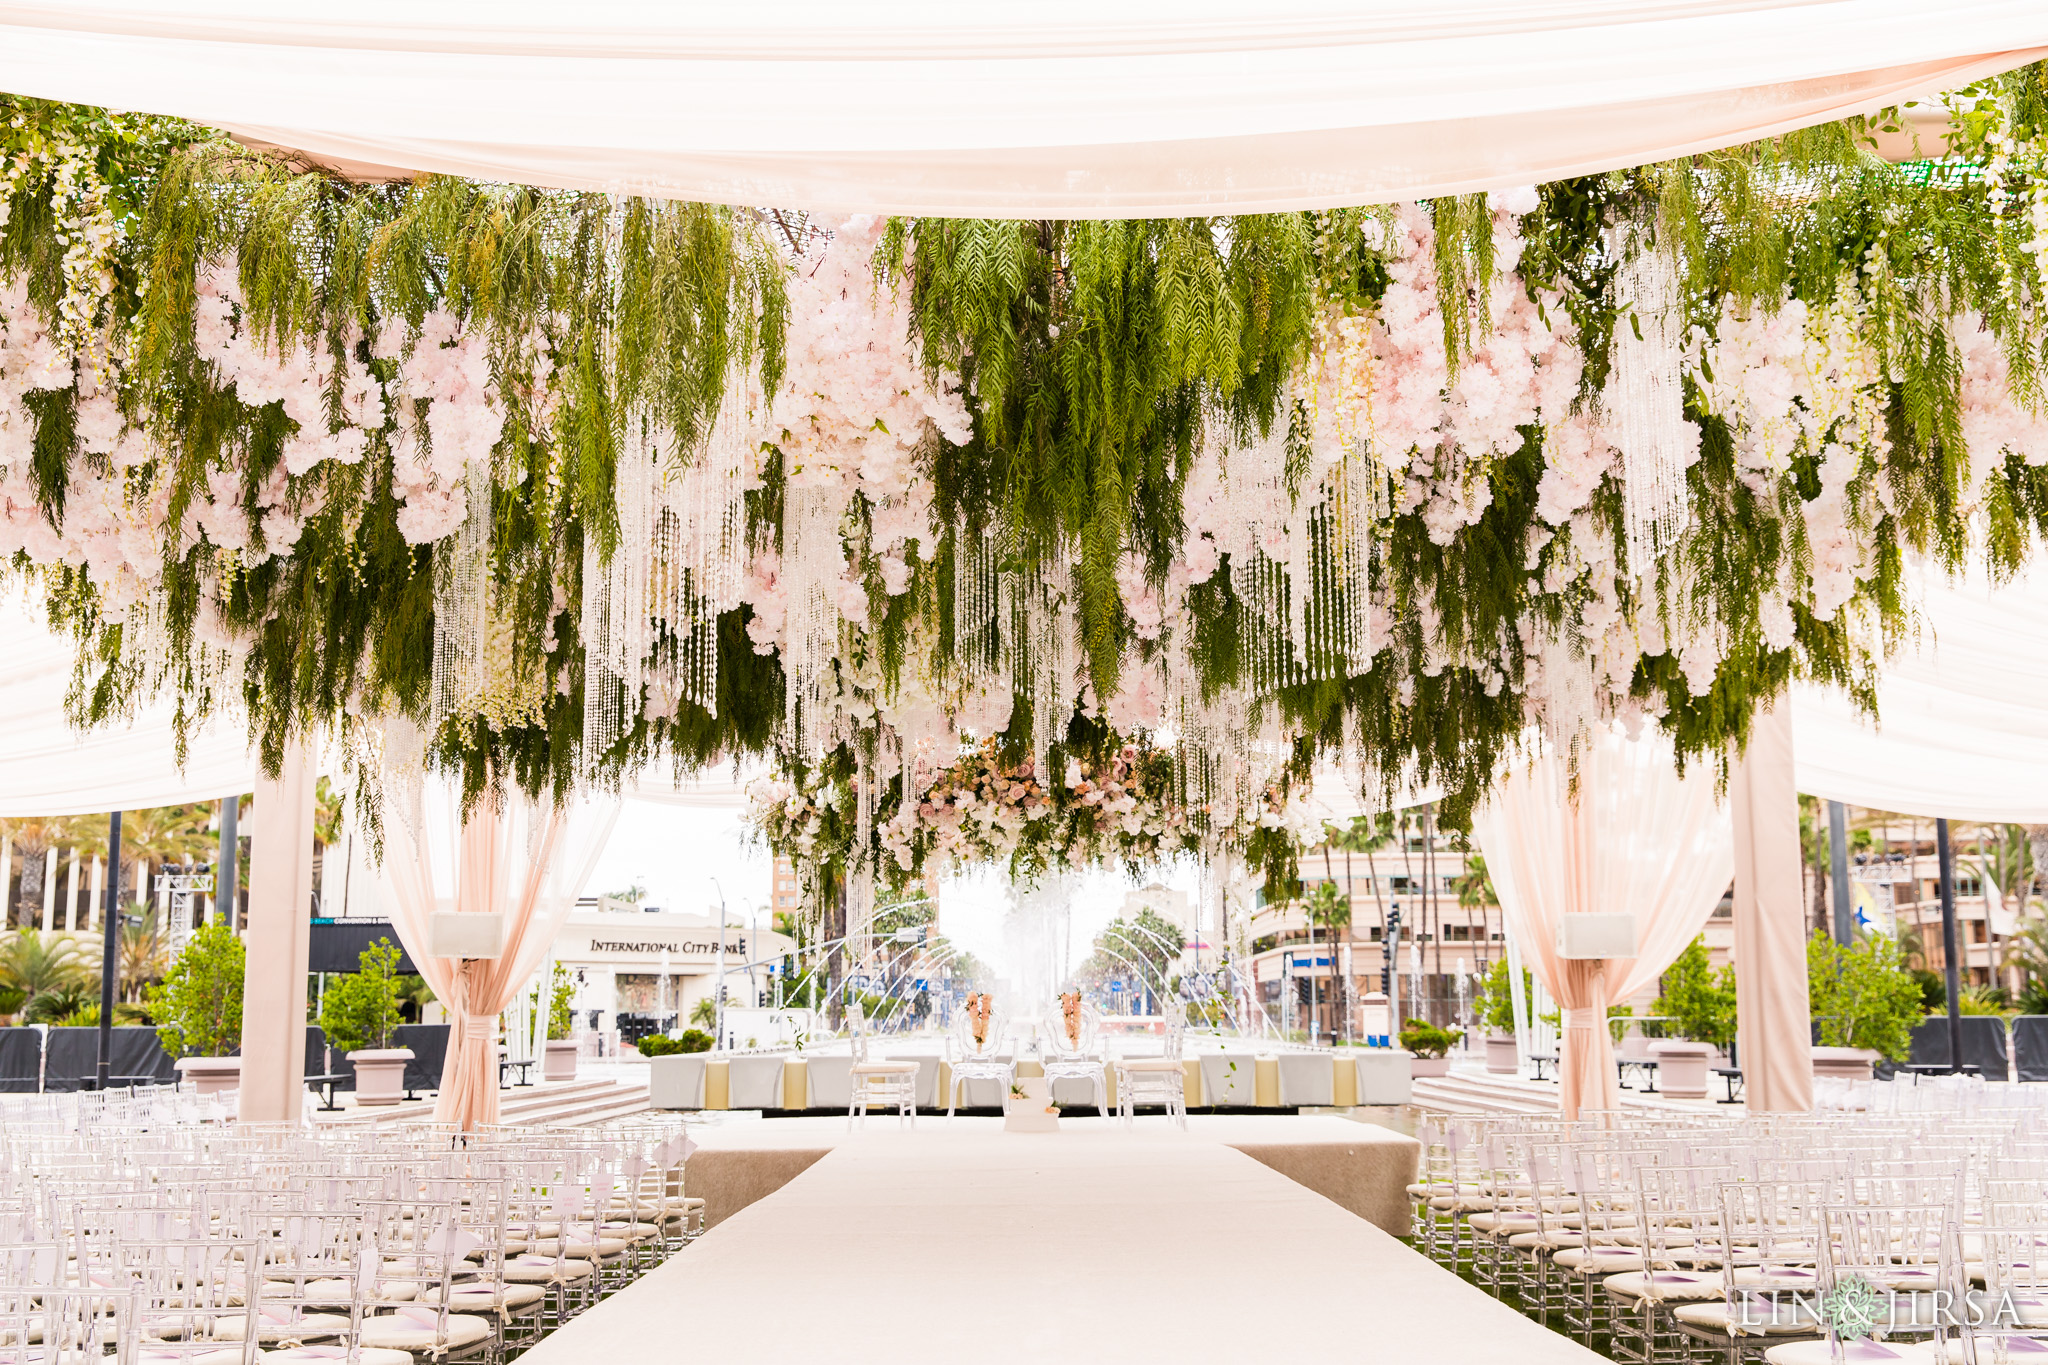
pixel 462 598
pixel 616 625
pixel 701 548
pixel 1644 402
pixel 977 600
pixel 812 562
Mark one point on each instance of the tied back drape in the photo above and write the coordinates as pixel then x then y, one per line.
pixel 1057 109
pixel 1636 837
pixel 525 860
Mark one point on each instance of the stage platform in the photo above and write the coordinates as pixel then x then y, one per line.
pixel 1144 1245
pixel 1360 1166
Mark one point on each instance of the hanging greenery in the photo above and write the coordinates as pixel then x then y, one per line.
pixel 543 488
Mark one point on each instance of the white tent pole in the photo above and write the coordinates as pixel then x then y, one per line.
pixel 1521 1002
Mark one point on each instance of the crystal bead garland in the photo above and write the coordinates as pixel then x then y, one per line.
pixel 977 599
pixel 1643 404
pixel 812 561
pixel 462 598
pixel 614 618
pixel 697 552
pixel 1043 608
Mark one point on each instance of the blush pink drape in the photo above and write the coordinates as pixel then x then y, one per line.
pixel 1773 1025
pixel 525 860
pixel 1638 838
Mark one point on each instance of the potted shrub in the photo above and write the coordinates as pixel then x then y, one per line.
pixel 1864 1001
pixel 198 1006
pixel 1496 1009
pixel 358 1014
pixel 1429 1047
pixel 558 1060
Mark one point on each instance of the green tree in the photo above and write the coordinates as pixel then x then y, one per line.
pixel 1862 995
pixel 198 1004
pixel 561 990
pixel 1328 907
pixel 1149 946
pixel 1700 999
pixel 1496 1003
pixel 32 962
pixel 705 1013
pixel 361 1008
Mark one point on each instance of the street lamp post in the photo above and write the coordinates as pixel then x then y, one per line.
pixel 718 996
pixel 110 947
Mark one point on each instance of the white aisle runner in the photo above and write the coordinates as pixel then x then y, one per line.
pixel 1081 1245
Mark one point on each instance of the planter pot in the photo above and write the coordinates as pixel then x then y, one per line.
pixel 380 1074
pixel 559 1061
pixel 1500 1055
pixel 1033 1111
pixel 1682 1068
pixel 1844 1063
pixel 211 1075
pixel 1429 1066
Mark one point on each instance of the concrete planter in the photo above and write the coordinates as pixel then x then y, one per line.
pixel 211 1075
pixel 1500 1055
pixel 558 1063
pixel 1682 1067
pixel 380 1074
pixel 1429 1066
pixel 1844 1063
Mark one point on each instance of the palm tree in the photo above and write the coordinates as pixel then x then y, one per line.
pixel 143 953
pixel 37 839
pixel 33 962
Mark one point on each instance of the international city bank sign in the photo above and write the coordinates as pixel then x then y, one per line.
pixel 645 943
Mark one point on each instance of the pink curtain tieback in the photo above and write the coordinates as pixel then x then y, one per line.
pixel 1586 1018
pixel 480 1023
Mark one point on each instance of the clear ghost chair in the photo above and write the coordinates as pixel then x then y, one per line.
pixel 1160 1080
pixel 978 1059
pixel 1070 1050
pixel 877 1080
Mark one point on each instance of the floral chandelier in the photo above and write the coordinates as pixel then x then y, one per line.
pixel 545 488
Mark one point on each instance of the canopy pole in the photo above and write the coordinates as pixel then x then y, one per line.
pixel 110 953
pixel 227 902
pixel 1951 968
pixel 1838 869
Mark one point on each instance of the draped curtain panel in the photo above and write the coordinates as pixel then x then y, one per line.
pixel 49 769
pixel 1635 837
pixel 1773 1019
pixel 1962 728
pixel 1066 108
pixel 512 856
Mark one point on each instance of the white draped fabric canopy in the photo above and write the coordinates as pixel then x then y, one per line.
pixel 1963 729
pixel 49 769
pixel 1066 108
pixel 1635 838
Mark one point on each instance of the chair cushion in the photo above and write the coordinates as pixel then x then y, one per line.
pixel 1792 1320
pixel 369 1355
pixel 482 1298
pixel 1853 1353
pixel 1665 1286
pixel 1600 1260
pixel 405 1334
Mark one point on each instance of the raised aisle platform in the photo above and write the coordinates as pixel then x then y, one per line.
pixel 1135 1246
pixel 1362 1167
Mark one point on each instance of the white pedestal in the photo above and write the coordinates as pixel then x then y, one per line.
pixel 1031 1112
